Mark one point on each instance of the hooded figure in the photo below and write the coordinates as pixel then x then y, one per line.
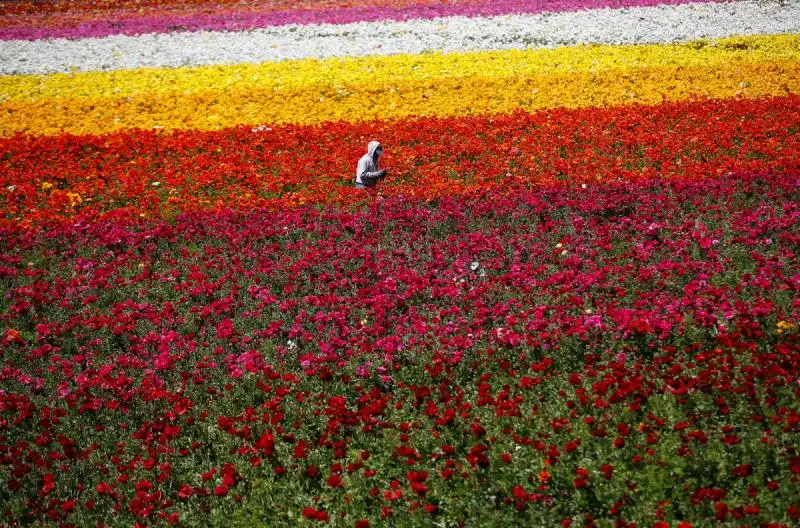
pixel 368 172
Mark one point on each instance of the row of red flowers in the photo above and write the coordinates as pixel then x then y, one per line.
pixel 50 178
pixel 614 354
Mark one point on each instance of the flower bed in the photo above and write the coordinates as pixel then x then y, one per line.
pixel 66 177
pixel 575 301
pixel 34 20
pixel 613 353
pixel 661 24
pixel 361 89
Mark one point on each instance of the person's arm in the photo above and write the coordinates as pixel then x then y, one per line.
pixel 373 176
pixel 369 176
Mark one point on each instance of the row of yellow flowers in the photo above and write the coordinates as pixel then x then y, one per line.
pixel 356 89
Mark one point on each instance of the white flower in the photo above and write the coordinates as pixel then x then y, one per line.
pixel 475 265
pixel 11 188
pixel 637 25
pixel 155 184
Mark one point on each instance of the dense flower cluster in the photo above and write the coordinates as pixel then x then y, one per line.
pixel 650 25
pixel 65 177
pixel 618 353
pixel 35 20
pixel 364 88
pixel 575 301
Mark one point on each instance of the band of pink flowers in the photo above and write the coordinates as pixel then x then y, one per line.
pixel 128 22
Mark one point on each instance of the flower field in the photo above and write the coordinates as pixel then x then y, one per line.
pixel 575 303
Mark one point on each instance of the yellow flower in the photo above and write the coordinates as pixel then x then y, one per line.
pixel 784 326
pixel 435 84
pixel 74 199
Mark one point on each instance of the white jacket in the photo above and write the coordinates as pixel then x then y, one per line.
pixel 368 169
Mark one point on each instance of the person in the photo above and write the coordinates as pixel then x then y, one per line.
pixel 368 171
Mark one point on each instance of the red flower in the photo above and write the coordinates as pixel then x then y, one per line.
pixel 144 485
pixel 700 436
pixel 301 450
pixel 266 444
pixel 104 488
pixel 572 445
pixel 477 429
pixel 314 514
pixel 751 509
pixel 419 488
pixel 720 511
pixel 794 465
pixel 417 476
pixel 185 492
pixel 335 481
pixel 225 329
pixel 731 440
pixel 221 490
pixel 48 484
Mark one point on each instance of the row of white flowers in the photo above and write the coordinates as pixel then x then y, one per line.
pixel 641 25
